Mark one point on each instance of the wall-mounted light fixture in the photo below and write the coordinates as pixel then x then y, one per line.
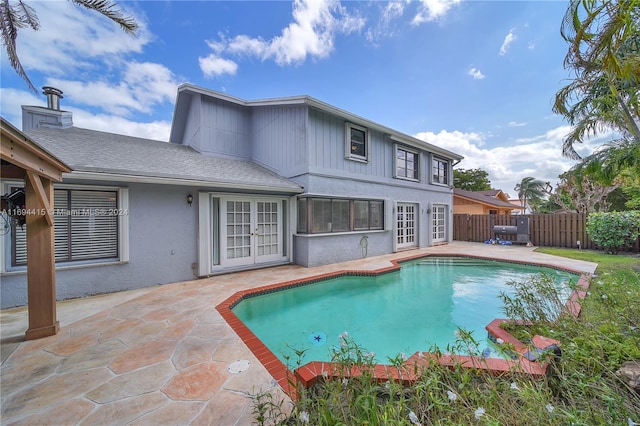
pixel 428 211
pixel 189 199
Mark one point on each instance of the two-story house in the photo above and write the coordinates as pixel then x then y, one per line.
pixel 241 184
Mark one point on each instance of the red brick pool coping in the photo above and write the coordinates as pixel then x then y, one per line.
pixel 309 374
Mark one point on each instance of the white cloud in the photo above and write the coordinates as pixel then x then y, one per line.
pixel 432 10
pixel 476 74
pixel 516 124
pixel 72 37
pixel 12 100
pixel 389 12
pixel 508 39
pixel 540 156
pixel 157 130
pixel 140 88
pixel 311 34
pixel 213 65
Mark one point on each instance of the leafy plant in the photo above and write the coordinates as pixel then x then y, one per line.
pixel 536 299
pixel 614 230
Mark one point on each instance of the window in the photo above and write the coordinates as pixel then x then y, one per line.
pixel 324 215
pixel 406 163
pixel 357 142
pixel 87 225
pixel 440 171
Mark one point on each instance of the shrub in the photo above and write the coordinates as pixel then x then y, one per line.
pixel 614 230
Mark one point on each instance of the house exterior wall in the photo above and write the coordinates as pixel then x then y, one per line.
pixel 279 135
pixel 192 132
pixel 327 149
pixel 162 248
pixel 326 172
pixel 320 249
pixel 216 127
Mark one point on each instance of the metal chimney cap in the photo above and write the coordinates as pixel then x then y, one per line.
pixel 53 97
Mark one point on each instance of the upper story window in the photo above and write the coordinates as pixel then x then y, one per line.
pixel 406 163
pixel 440 171
pixel 357 142
pixel 89 226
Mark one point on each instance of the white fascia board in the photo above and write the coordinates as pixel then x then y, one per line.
pixel 111 177
pixel 291 100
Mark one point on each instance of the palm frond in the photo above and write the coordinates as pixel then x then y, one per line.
pixel 11 19
pixel 111 11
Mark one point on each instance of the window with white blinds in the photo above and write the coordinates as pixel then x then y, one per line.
pixel 86 227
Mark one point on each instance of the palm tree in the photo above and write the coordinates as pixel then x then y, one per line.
pixel 604 54
pixel 530 192
pixel 15 15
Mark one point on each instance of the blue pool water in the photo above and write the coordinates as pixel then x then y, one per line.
pixel 421 305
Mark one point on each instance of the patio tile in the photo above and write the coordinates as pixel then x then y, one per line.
pixel 68 345
pixel 118 327
pixel 30 368
pixel 145 332
pixel 251 381
pixel 131 310
pixel 93 356
pixel 126 410
pixel 193 350
pixel 172 413
pixel 160 314
pixel 64 414
pixel 230 350
pixel 143 355
pixel 197 383
pixel 217 411
pixel 178 330
pixel 54 390
pixel 131 384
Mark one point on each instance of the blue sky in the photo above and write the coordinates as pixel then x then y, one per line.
pixel 475 77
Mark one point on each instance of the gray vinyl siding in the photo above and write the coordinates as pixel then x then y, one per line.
pixel 223 129
pixel 192 133
pixel 280 135
pixel 327 149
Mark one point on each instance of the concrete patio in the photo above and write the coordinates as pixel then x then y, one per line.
pixel 161 355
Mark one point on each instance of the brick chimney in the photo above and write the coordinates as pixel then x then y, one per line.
pixel 52 116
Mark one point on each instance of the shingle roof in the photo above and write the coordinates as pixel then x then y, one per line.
pixel 93 151
pixel 484 197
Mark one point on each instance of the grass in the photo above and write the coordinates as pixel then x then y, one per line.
pixel 581 389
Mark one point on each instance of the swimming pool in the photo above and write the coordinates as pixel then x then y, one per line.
pixel 420 306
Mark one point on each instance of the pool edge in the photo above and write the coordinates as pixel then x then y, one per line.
pixel 309 373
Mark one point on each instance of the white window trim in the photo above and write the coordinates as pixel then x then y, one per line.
pixel 448 171
pixel 404 148
pixel 123 230
pixel 347 143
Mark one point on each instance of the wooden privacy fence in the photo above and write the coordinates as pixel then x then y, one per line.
pixel 545 230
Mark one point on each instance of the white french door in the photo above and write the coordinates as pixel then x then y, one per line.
pixel 439 224
pixel 251 231
pixel 406 226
